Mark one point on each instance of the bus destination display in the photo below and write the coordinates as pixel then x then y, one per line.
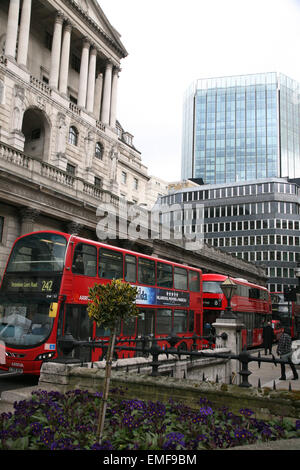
pixel 32 285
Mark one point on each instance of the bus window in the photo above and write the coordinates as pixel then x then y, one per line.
pixel 254 293
pixel 194 281
pixel 180 321
pixel 180 278
pixel 191 321
pixel 43 252
pixel 129 327
pixel 110 264
pixel 100 331
pixel 130 268
pixel 163 321
pixel 164 275
pixel 213 287
pixel 77 323
pixel 145 323
pixel 85 260
pixel 146 271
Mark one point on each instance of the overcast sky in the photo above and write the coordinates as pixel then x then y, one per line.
pixel 171 43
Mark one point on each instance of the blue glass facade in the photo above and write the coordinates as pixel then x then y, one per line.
pixel 241 128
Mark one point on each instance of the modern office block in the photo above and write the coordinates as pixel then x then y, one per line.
pixel 255 221
pixel 241 128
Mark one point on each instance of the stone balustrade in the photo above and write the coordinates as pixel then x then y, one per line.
pixel 14 156
pixel 40 85
pixel 44 173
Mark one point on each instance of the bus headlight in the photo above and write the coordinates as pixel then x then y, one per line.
pixel 44 356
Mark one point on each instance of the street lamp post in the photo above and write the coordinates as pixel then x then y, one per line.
pixel 228 287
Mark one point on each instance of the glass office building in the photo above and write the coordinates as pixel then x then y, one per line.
pixel 241 128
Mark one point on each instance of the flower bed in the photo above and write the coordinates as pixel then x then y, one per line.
pixel 51 420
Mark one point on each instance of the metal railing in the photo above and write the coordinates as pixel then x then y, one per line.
pixel 149 346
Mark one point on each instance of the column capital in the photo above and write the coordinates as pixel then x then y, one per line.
pixel 73 227
pixel 117 70
pixel 28 214
pixel 109 63
pixel 94 49
pixel 67 24
pixel 86 42
pixel 59 17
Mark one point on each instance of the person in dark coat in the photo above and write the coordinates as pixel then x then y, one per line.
pixel 268 337
pixel 284 350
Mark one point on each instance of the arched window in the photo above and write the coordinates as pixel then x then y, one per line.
pixel 73 136
pixel 99 151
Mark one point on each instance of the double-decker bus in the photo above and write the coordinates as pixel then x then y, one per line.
pixel 251 303
pixel 44 293
pixel 287 312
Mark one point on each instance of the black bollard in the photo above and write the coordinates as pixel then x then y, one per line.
pixel 244 359
pixel 155 351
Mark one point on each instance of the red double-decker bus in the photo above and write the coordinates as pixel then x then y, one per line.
pixel 44 293
pixel 287 312
pixel 251 303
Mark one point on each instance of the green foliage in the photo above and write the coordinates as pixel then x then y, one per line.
pixel 111 302
pixel 56 421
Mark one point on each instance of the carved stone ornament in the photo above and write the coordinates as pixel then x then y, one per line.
pixel 19 107
pixel 28 214
pixel 82 4
pixel 61 138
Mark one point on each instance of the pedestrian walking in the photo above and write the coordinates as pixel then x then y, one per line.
pixel 284 350
pixel 268 337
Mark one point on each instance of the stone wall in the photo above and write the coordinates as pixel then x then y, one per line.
pixel 266 403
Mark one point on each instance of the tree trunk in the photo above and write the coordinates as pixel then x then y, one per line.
pixel 109 359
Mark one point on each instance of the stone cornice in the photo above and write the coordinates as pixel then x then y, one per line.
pixel 75 7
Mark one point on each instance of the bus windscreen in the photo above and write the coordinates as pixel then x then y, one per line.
pixel 40 252
pixel 25 323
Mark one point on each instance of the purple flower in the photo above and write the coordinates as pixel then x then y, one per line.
pixel 174 441
pixel 206 411
pixel 246 412
pixel 105 445
pixel 36 428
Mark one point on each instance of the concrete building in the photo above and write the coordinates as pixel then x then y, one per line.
pixel 257 222
pixel 241 128
pixel 62 149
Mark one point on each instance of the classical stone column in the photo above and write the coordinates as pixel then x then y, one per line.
pixel 105 110
pixel 83 77
pixel 91 81
pixel 12 28
pixel 24 33
pixel 55 51
pixel 113 104
pixel 28 217
pixel 98 96
pixel 65 58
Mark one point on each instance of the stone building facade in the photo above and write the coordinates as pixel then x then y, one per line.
pixel 62 150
